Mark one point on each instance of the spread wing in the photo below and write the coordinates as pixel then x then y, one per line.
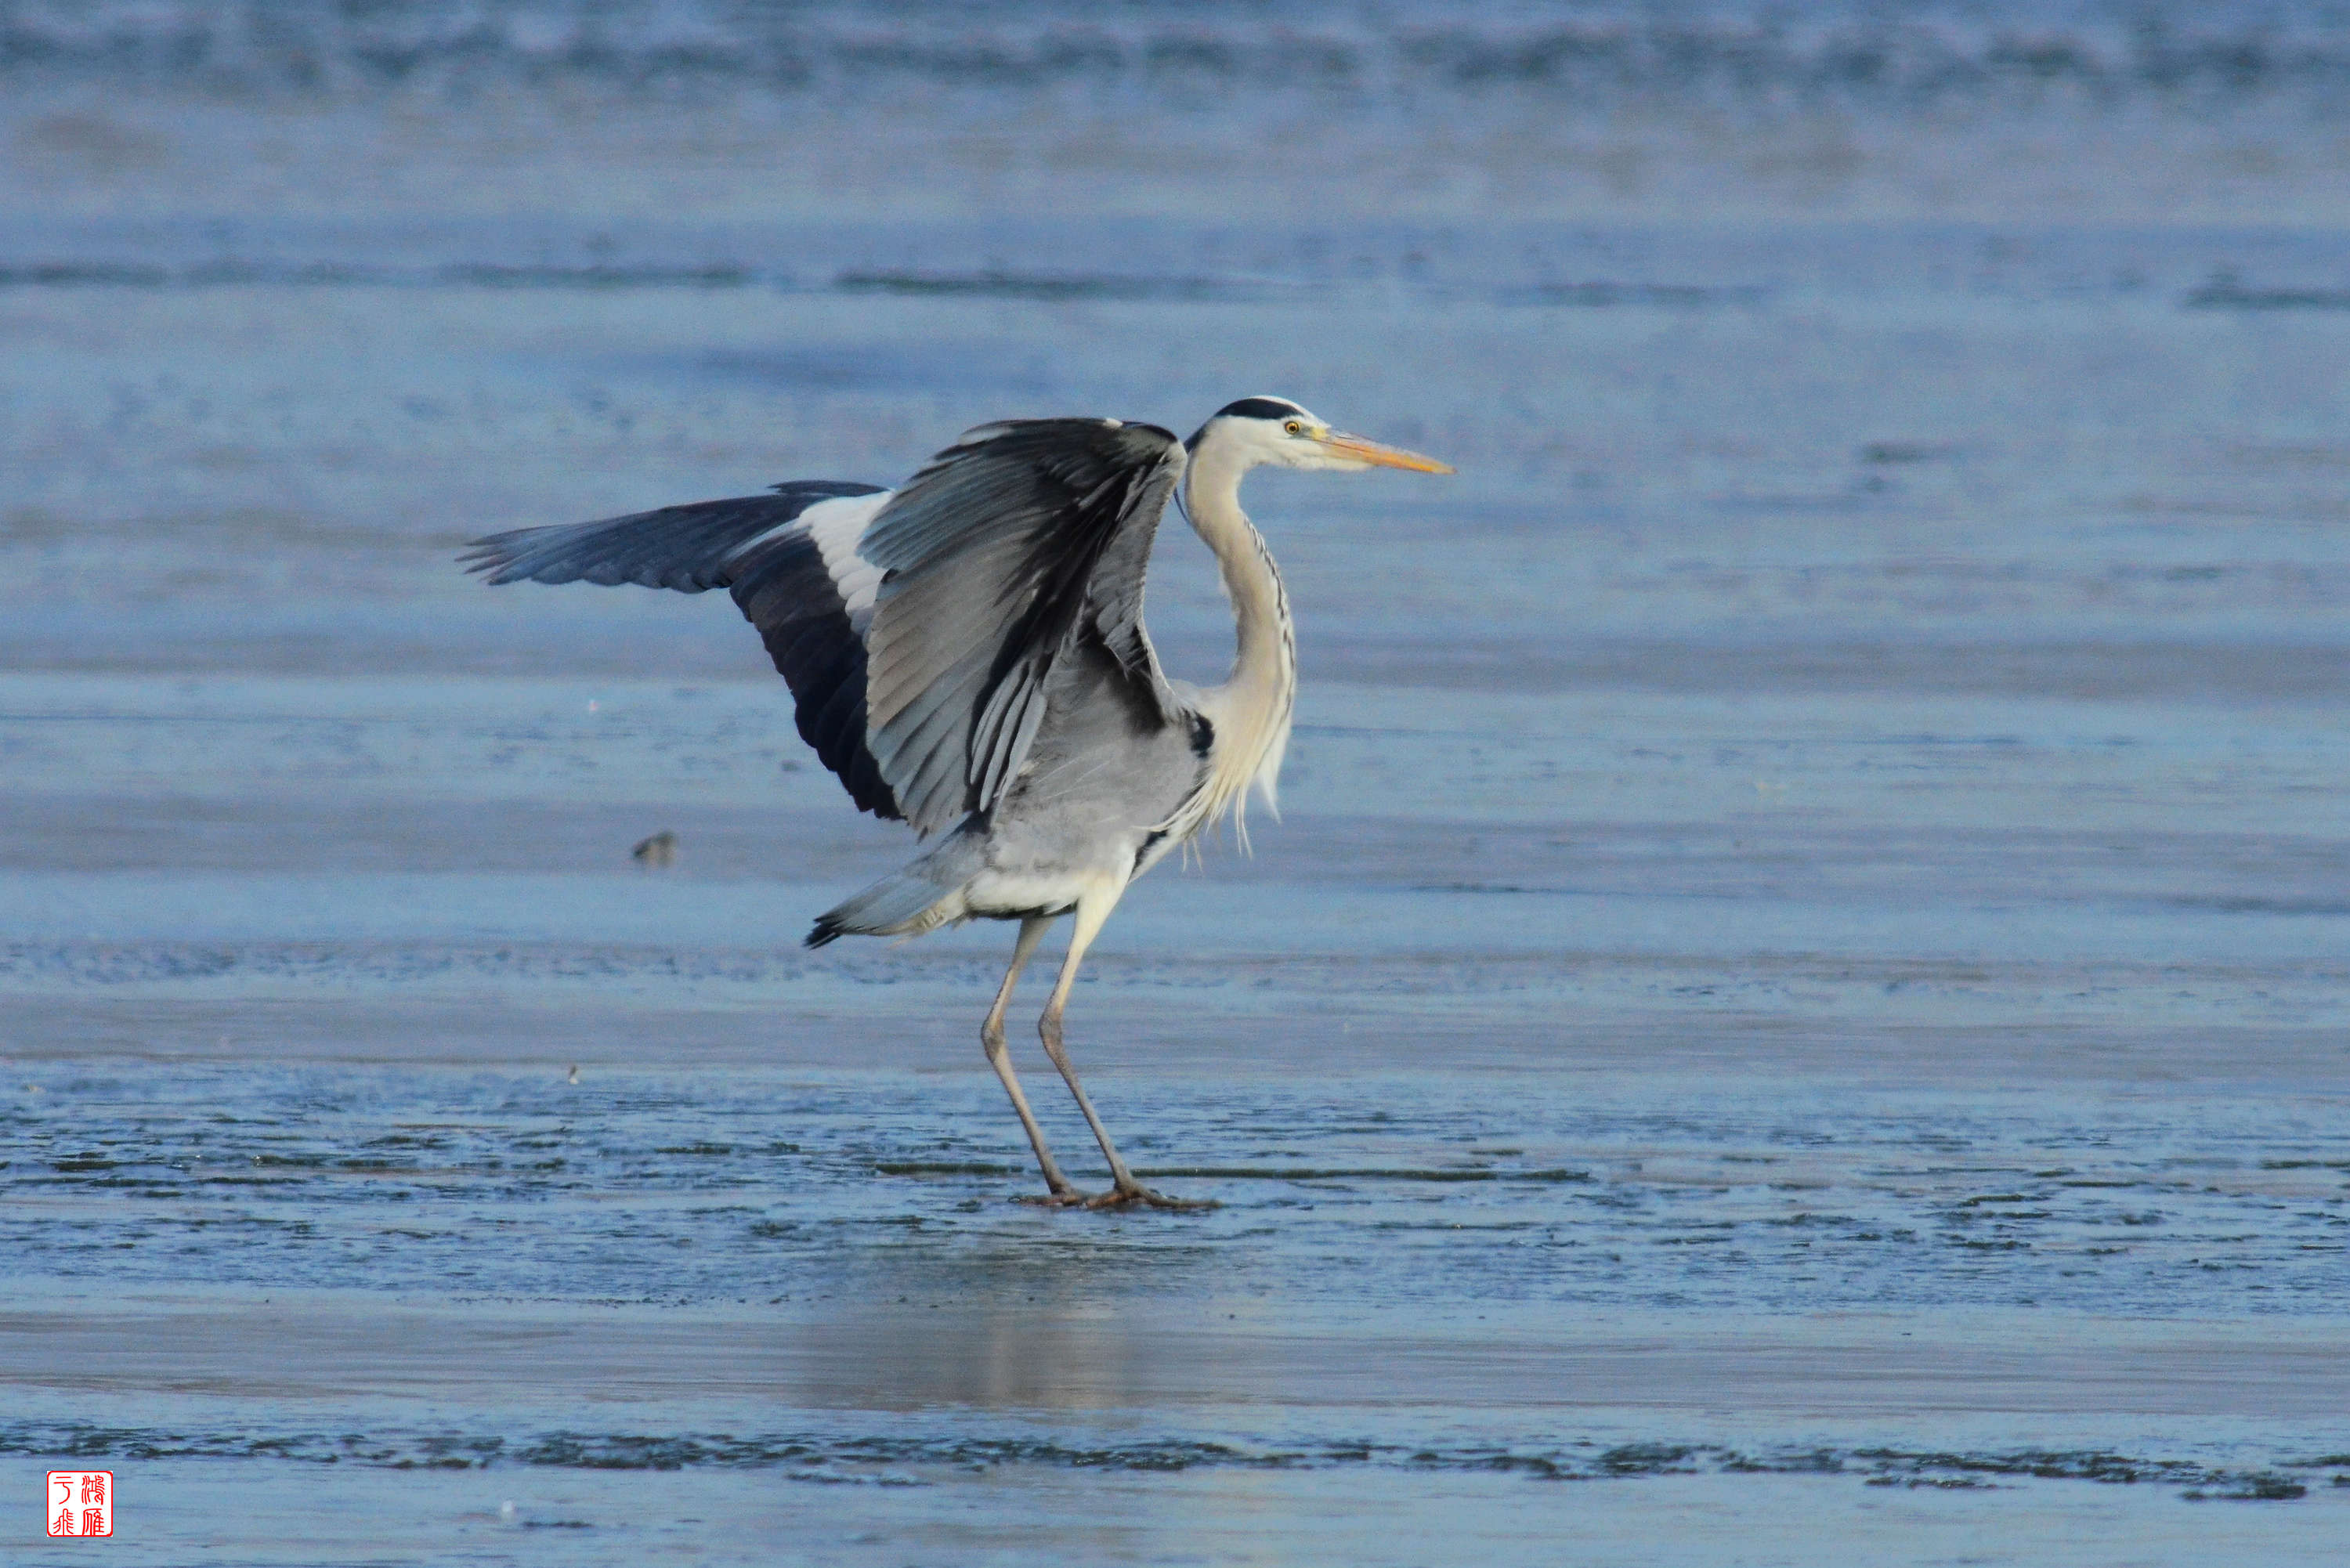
pixel 790 559
pixel 997 559
pixel 917 628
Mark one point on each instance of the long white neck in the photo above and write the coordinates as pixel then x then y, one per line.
pixel 1251 711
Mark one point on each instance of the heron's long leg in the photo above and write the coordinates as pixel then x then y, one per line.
pixel 1092 913
pixel 991 1035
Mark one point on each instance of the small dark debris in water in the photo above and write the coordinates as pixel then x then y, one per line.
pixel 1889 453
pixel 997 283
pixel 2226 291
pixel 2324 909
pixel 1607 295
pixel 1939 1483
pixel 1646 1459
pixel 2255 1489
pixel 572 1076
pixel 659 852
pixel 1896 1466
pixel 481 274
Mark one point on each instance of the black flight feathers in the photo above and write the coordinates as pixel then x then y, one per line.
pixel 688 548
pixel 782 587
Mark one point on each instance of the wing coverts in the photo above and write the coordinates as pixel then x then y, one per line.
pixel 1006 547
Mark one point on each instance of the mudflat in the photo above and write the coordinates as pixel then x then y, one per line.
pixel 1798 999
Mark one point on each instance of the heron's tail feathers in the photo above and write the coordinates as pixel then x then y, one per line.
pixel 923 897
pixel 901 907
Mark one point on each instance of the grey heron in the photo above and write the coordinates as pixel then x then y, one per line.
pixel 967 653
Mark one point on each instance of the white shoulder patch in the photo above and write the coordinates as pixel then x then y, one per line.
pixel 837 527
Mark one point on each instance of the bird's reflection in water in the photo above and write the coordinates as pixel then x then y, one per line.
pixel 1019 1326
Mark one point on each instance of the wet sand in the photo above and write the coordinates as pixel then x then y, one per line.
pixel 1682 1153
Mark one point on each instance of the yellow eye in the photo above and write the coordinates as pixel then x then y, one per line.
pixel 1293 427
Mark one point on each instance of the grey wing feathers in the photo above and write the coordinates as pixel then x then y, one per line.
pixel 1008 545
pixel 810 605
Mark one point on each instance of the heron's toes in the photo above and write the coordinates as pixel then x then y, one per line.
pixel 1062 1197
pixel 1126 1196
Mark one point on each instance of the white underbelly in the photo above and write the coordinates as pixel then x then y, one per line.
pixel 1003 893
pixel 1055 888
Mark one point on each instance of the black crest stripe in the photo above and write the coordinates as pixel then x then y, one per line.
pixel 1260 409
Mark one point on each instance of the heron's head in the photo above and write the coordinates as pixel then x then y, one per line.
pixel 1256 431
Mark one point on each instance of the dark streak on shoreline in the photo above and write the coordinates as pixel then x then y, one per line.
pixel 836 1457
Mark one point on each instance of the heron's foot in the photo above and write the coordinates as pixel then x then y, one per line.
pixel 1126 1194
pixel 1061 1197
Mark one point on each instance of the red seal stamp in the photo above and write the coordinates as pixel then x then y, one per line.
pixel 80 1502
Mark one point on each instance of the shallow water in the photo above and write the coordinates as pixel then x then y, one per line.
pixel 1800 997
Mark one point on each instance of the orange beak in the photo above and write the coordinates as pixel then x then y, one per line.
pixel 1377 456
